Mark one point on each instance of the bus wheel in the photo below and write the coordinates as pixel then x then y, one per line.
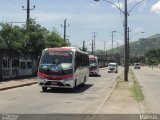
pixel 44 89
pixel 75 84
pixel 84 81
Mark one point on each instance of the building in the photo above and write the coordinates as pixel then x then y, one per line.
pixel 15 65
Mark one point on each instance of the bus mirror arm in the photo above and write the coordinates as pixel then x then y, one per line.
pixel 39 58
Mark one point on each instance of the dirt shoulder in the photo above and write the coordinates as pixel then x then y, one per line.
pixel 126 98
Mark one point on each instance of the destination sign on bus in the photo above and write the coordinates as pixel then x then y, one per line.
pixel 55 53
pixel 92 58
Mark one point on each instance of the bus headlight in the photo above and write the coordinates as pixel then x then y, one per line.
pixel 40 78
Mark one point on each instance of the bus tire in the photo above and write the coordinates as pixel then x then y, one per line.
pixel 75 84
pixel 84 81
pixel 44 89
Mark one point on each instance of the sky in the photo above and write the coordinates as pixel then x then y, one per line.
pixel 87 16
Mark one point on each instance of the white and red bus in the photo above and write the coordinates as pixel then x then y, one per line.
pixel 93 65
pixel 64 67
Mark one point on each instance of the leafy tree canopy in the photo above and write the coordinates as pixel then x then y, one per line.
pixel 29 39
pixel 153 57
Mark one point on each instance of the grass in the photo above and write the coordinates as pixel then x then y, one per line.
pixel 136 90
pixel 132 85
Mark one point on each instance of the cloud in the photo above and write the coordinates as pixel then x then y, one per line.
pixel 156 8
pixel 93 5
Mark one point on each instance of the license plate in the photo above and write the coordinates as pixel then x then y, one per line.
pixel 53 83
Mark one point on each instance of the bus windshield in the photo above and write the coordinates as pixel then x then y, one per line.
pixel 56 60
pixel 92 63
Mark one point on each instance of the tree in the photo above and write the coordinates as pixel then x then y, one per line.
pixel 33 39
pixel 11 36
pixel 153 57
pixel 2 43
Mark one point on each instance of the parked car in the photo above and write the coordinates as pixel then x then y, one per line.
pixel 112 67
pixel 137 65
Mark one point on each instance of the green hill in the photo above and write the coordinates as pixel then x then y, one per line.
pixel 142 45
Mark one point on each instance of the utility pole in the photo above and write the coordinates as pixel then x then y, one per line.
pixel 104 46
pixel 92 46
pixel 94 42
pixel 83 45
pixel 65 26
pixel 112 41
pixel 117 56
pixel 125 41
pixel 128 30
pixel 28 12
pixel 117 47
pixel 126 13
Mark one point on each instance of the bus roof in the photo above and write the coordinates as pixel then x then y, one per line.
pixel 92 57
pixel 59 48
pixel 66 49
pixel 112 63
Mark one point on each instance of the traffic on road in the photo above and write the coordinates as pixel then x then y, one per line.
pixel 86 99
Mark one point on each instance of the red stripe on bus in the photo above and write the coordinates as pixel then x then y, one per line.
pixel 59 48
pixel 54 77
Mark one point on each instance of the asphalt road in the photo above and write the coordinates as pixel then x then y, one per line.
pixel 149 79
pixel 86 99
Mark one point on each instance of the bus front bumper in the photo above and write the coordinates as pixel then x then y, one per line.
pixel 93 72
pixel 56 83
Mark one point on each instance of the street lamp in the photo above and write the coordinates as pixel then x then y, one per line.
pixel 126 13
pixel 112 40
pixel 136 34
pixel 118 7
pixel 94 42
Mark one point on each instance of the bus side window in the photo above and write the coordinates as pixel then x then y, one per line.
pixel 76 62
pixel 79 60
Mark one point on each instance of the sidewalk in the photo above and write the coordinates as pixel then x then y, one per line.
pixel 126 98
pixel 9 84
pixel 154 68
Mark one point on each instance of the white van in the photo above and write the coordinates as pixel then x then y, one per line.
pixel 137 66
pixel 112 67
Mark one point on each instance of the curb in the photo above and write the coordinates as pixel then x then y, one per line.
pixel 144 101
pixel 114 84
pixel 16 86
